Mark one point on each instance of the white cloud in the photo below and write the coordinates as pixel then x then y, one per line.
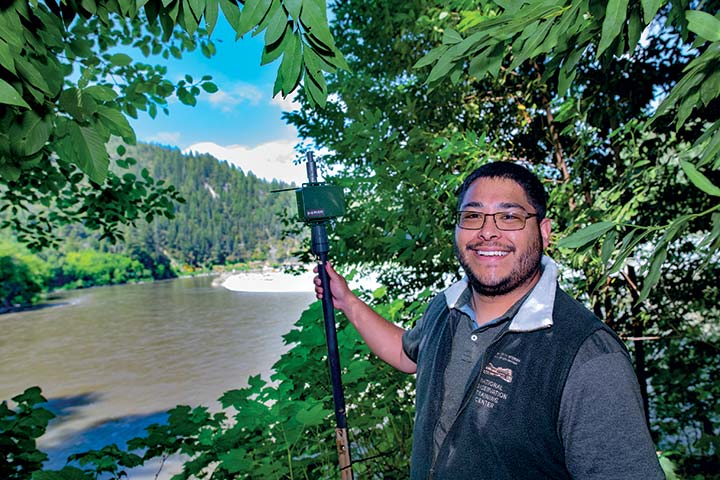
pixel 287 104
pixel 227 99
pixel 271 160
pixel 165 138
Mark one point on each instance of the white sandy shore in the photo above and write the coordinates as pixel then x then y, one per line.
pixel 269 281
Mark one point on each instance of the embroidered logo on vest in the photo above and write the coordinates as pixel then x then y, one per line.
pixel 500 372
pixel 488 392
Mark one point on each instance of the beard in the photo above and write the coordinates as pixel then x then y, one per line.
pixel 525 268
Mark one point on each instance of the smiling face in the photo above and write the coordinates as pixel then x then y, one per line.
pixel 499 262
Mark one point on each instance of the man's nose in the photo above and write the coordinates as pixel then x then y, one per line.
pixel 489 229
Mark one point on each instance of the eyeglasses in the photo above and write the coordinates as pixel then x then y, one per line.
pixel 507 221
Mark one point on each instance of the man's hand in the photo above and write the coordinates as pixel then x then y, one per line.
pixel 342 296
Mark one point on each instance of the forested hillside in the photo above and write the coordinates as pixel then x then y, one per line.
pixel 228 216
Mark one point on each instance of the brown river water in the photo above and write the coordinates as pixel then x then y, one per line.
pixel 112 360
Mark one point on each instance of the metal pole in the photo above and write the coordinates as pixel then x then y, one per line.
pixel 320 247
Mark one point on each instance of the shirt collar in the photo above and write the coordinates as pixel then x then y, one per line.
pixel 534 314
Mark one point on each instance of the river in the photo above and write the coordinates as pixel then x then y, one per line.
pixel 112 360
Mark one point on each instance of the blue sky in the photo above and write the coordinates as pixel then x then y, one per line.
pixel 241 123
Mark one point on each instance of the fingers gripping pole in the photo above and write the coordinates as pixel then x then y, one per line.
pixel 320 247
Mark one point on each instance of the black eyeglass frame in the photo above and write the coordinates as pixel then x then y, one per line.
pixel 494 215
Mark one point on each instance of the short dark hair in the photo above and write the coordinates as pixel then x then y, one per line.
pixel 529 182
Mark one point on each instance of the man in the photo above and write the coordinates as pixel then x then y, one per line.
pixel 515 379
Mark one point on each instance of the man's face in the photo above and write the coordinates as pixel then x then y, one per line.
pixel 498 262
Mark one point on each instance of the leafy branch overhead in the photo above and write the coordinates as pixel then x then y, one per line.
pixel 559 39
pixel 69 81
pixel 560 33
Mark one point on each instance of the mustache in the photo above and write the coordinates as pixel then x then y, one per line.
pixel 481 244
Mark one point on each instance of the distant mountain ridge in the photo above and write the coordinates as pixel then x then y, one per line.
pixel 229 215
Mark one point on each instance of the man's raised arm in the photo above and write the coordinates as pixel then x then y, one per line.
pixel 383 338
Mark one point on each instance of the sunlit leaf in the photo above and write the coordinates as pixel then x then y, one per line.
pixel 10 96
pixel 704 24
pixel 615 15
pixel 252 13
pixel 120 59
pixel 699 180
pixel 585 235
pixel 650 8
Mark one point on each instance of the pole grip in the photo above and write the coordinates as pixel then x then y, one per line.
pixel 343 449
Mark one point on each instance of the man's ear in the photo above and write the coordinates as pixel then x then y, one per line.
pixel 545 231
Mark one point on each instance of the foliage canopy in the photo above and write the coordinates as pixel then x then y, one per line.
pixel 68 83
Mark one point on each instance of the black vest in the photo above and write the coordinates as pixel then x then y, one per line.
pixel 506 427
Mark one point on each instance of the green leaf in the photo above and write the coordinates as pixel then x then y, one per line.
pixel 565 80
pixel 699 180
pixel 703 24
pixel 235 460
pixel 710 88
pixel 197 7
pixel 291 65
pixel 634 31
pixel 451 37
pixel 608 246
pixel 686 108
pixel 714 234
pixel 441 68
pixel 116 122
pixel 83 147
pixel 316 88
pixel 487 63
pixel 252 13
pixel 313 62
pixel 613 22
pixel 188 20
pixel 267 18
pixel 277 86
pixel 650 8
pixel 315 415
pixel 431 56
pixel 10 96
pixel 209 87
pixel 273 52
pixel 314 18
pixel 712 149
pixel 102 93
pixel 585 235
pixel 232 13
pixel 277 27
pixel 628 244
pixel 293 7
pixel 211 15
pixel 120 59
pixel 7 58
pixel 31 134
pixel 31 74
pixel 653 275
pixel 668 468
